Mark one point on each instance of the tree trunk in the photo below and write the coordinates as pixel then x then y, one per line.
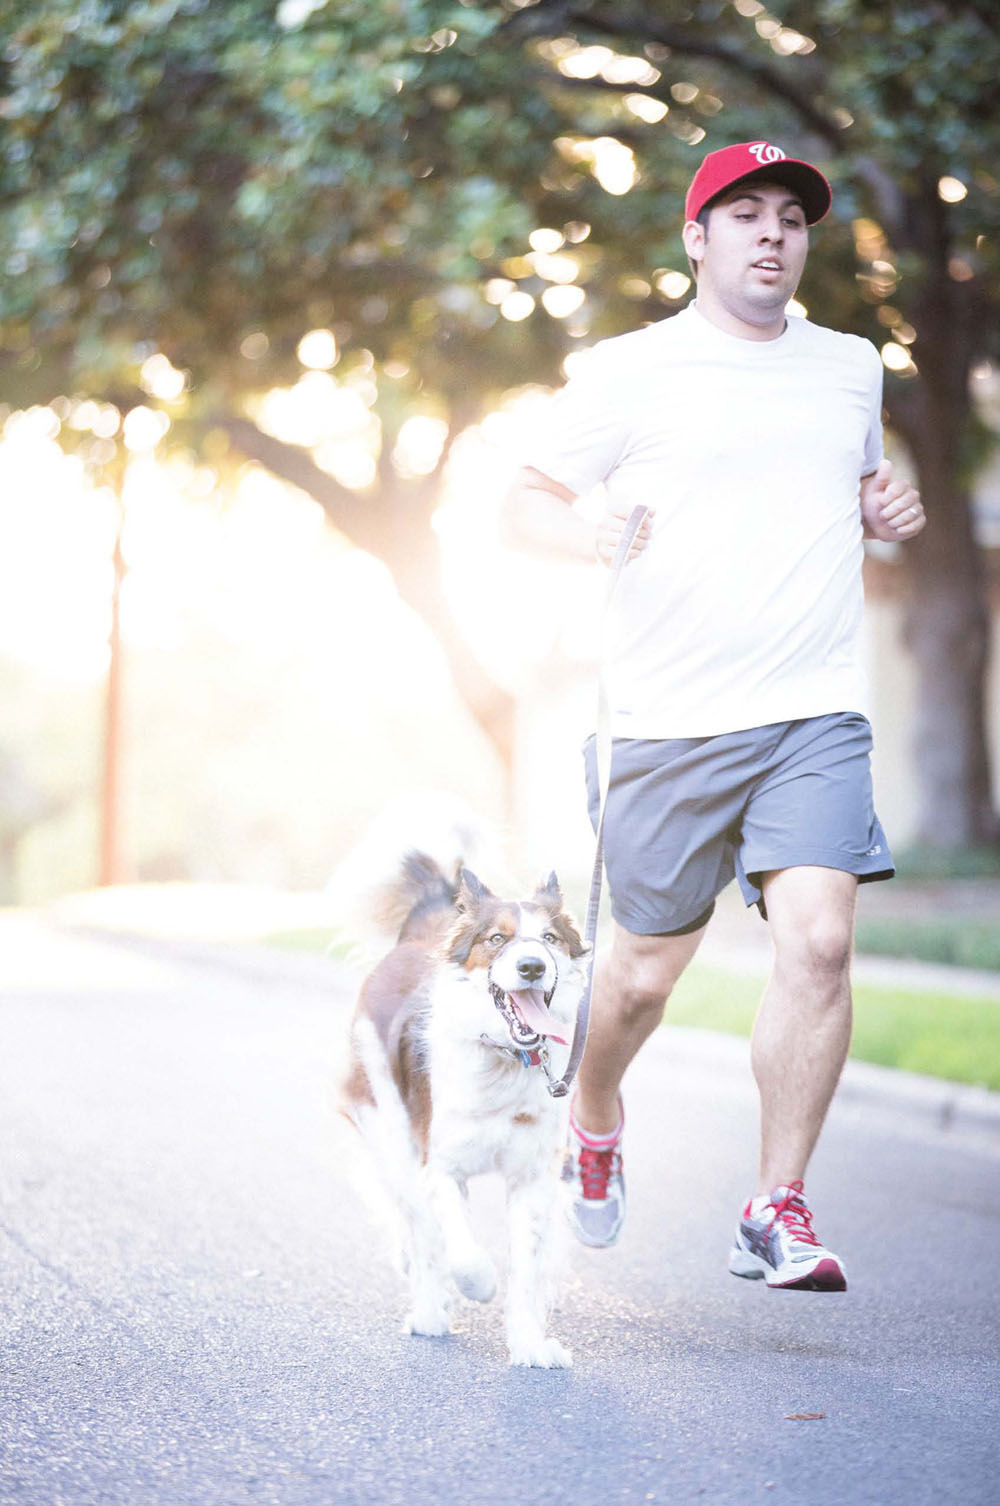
pixel 947 629
pixel 947 617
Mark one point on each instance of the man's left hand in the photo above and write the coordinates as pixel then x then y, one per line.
pixel 891 510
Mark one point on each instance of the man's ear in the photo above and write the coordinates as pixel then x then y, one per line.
pixel 693 236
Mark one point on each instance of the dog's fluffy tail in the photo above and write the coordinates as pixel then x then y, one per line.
pixel 406 863
pixel 420 889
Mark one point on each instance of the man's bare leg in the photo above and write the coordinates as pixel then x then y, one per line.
pixel 803 1027
pixel 632 984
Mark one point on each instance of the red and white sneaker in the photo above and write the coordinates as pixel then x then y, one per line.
pixel 593 1168
pixel 775 1242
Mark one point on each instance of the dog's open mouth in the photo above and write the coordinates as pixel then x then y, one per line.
pixel 525 1014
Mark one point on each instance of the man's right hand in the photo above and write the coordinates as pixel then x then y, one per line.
pixel 611 527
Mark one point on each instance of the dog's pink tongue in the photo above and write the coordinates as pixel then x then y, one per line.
pixel 530 1005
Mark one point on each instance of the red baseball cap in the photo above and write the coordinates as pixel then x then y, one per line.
pixel 758 159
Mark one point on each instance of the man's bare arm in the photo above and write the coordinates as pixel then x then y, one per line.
pixel 538 515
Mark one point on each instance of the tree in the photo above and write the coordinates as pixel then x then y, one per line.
pixel 207 184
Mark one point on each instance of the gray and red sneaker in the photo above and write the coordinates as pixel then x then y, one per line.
pixel 775 1242
pixel 593 1168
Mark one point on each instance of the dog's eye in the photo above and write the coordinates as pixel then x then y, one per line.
pixel 551 938
pixel 497 939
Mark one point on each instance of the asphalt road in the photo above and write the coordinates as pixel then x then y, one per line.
pixel 194 1308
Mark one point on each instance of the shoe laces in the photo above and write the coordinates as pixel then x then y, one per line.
pixel 597 1167
pixel 795 1214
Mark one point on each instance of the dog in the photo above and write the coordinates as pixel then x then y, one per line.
pixel 448 1078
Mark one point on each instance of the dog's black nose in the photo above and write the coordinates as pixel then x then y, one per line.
pixel 530 968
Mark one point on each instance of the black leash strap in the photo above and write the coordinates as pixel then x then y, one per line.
pixel 561 1087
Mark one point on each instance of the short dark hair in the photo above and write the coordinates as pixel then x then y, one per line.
pixel 701 218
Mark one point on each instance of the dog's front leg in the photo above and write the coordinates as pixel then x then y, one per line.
pixel 426 1262
pixel 471 1267
pixel 532 1210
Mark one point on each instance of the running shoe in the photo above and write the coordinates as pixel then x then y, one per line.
pixel 593 1168
pixel 775 1242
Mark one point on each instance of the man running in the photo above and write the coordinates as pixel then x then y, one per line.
pixel 738 700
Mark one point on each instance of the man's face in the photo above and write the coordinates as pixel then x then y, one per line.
pixel 753 255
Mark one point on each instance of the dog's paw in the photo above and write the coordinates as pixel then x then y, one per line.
pixel 428 1322
pixel 543 1354
pixel 476 1277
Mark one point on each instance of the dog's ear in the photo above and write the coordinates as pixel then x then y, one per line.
pixel 549 893
pixel 550 897
pixel 575 943
pixel 471 891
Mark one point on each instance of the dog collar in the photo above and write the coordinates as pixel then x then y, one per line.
pixel 537 1057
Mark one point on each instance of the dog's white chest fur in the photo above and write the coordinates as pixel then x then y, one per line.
pixel 491 1113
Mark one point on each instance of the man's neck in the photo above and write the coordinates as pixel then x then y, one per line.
pixel 723 318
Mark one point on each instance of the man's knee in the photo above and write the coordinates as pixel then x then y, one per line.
pixel 820 945
pixel 811 913
pixel 644 970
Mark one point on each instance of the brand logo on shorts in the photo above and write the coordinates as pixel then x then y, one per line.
pixel 765 152
pixel 873 852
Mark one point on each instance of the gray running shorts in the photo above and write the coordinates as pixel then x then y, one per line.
pixel 686 814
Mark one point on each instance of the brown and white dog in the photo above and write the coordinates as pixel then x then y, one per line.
pixel 447 1079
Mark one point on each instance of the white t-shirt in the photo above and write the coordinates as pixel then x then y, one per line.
pixel 745 607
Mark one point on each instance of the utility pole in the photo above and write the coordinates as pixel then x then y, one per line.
pixel 111 867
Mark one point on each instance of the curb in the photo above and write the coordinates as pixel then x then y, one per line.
pixel 952 1109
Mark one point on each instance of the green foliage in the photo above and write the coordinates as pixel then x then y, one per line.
pixel 948 939
pixel 957 863
pixel 177 175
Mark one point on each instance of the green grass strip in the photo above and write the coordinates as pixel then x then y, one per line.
pixel 939 1034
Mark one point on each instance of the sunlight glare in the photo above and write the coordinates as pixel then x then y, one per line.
pixel 517 306
pixel 556 267
pixel 546 240
pixel 897 358
pixel 614 165
pixel 485 579
pixel 55 563
pixel 28 424
pixel 645 108
pixel 562 301
pixel 143 428
pixel 348 461
pixel 672 285
pixel 316 409
pixel 419 445
pixel 951 190
pixel 160 378
pixel 318 349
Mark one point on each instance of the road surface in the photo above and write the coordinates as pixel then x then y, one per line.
pixel 195 1309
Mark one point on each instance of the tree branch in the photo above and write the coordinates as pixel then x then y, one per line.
pixel 388 525
pixel 347 511
pixel 626 22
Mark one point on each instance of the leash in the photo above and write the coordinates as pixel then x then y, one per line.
pixel 603 746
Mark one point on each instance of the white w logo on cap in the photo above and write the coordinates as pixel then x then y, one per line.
pixel 765 152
